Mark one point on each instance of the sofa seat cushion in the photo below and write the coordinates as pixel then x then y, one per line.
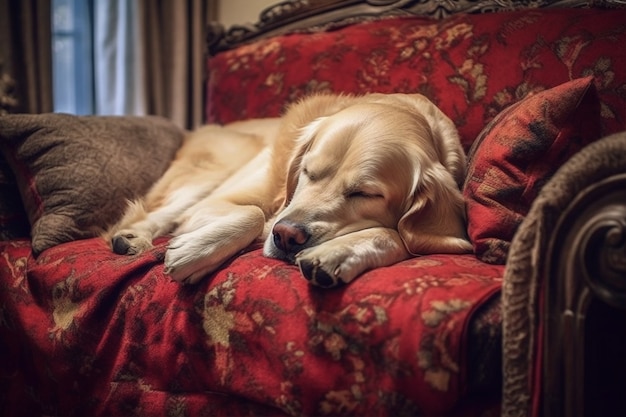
pixel 472 66
pixel 100 334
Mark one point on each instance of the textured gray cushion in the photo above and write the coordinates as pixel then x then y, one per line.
pixel 75 173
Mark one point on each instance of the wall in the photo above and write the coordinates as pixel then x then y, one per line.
pixel 231 12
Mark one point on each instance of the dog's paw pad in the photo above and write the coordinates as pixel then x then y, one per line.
pixel 129 244
pixel 315 274
pixel 120 245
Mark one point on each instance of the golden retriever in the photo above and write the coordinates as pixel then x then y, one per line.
pixel 338 185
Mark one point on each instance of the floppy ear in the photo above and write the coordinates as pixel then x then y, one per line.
pixel 303 143
pixel 446 137
pixel 435 221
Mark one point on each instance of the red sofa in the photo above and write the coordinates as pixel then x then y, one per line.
pixel 534 93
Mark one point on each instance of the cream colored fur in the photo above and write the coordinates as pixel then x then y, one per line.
pixel 338 185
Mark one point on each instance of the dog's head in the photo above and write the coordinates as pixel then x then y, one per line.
pixel 378 161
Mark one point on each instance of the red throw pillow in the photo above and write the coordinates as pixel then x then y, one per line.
pixel 517 153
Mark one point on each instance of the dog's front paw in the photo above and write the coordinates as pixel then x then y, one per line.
pixel 180 262
pixel 127 242
pixel 328 268
pixel 189 258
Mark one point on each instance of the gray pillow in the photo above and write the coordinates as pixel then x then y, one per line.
pixel 76 173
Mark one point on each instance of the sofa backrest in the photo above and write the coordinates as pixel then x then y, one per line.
pixel 470 64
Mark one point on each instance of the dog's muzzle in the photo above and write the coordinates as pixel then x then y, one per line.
pixel 289 238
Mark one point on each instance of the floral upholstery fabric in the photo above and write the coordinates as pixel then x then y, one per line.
pixel 517 153
pixel 87 332
pixel 111 335
pixel 471 66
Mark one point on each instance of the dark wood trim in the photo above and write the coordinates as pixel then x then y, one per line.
pixel 586 272
pixel 310 15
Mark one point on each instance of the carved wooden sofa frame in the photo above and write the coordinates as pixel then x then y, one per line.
pixel 295 15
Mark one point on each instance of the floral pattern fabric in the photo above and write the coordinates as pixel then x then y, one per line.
pixel 87 332
pixel 517 153
pixel 471 66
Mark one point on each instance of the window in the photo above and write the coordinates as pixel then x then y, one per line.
pixel 72 56
pixel 97 63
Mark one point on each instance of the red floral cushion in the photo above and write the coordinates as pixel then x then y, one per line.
pixel 87 332
pixel 472 66
pixel 517 153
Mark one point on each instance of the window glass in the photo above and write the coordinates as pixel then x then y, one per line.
pixel 72 59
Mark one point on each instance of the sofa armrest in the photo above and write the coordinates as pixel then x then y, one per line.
pixel 565 288
pixel 585 293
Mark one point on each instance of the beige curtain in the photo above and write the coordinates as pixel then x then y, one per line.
pixel 25 56
pixel 173 36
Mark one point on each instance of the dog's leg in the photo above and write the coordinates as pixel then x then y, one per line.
pixel 160 211
pixel 209 237
pixel 205 161
pixel 223 224
pixel 343 258
pixel 138 228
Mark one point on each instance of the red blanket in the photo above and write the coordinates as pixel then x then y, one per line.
pixel 87 332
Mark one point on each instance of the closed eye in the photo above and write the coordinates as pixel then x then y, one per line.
pixel 362 194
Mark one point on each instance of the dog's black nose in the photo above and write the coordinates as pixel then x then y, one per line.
pixel 289 237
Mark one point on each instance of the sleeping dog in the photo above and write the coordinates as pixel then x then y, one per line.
pixel 338 185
